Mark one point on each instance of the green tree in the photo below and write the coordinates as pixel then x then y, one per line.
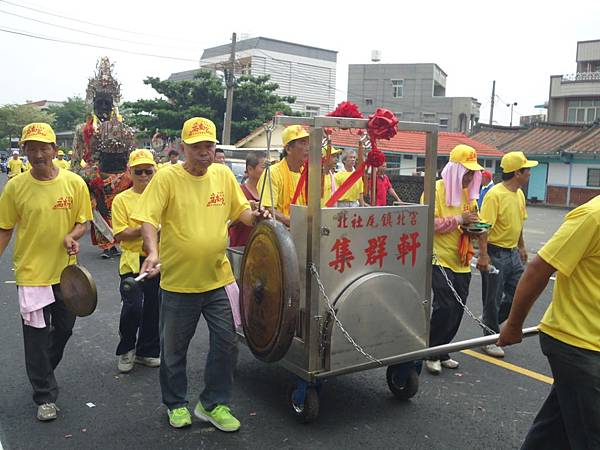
pixel 254 103
pixel 69 114
pixel 14 117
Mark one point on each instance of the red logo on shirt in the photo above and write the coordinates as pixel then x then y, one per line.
pixel 216 199
pixel 63 203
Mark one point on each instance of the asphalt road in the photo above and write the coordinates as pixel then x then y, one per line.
pixel 480 405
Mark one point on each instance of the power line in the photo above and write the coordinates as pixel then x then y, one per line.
pixel 82 31
pixel 78 20
pixel 81 44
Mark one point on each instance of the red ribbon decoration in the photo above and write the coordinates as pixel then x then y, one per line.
pixel 382 125
pixel 302 184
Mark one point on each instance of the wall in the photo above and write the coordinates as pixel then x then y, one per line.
pixel 558 173
pixel 557 195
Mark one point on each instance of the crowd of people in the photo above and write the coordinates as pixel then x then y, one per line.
pixel 195 206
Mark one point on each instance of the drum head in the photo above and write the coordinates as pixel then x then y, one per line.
pixel 270 291
pixel 78 290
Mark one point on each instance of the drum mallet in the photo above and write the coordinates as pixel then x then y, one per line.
pixel 129 284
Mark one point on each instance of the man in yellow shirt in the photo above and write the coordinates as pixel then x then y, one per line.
pixel 49 208
pixel 329 164
pixel 14 165
pixel 138 325
pixel 285 174
pixel 355 195
pixel 193 202
pixel 504 208
pixel 569 331
pixel 455 205
pixel 61 162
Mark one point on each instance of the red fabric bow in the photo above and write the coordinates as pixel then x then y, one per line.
pixel 381 125
pixel 346 109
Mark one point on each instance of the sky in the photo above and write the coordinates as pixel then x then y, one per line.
pixel 517 43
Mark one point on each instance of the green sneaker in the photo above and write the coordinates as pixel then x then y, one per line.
pixel 220 417
pixel 179 417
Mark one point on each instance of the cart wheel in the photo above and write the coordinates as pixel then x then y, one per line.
pixel 306 410
pixel 402 381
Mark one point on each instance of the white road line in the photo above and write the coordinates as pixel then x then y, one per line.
pixel 9 282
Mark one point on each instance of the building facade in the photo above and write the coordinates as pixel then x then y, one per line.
pixel 414 92
pixel 568 173
pixel 575 98
pixel 306 73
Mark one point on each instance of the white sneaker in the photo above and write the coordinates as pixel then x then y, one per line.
pixel 125 362
pixel 450 364
pixel 493 350
pixel 147 361
pixel 433 367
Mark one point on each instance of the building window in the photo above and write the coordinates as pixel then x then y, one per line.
pixel 408 156
pixel 397 88
pixel 369 101
pixel 429 117
pixel 311 111
pixel 593 177
pixel 583 111
pixel 443 123
pixel 488 163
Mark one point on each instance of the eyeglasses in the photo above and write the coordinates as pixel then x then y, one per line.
pixel 142 171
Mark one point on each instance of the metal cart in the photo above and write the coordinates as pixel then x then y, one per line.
pixel 345 289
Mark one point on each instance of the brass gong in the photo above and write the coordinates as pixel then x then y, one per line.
pixel 78 290
pixel 270 291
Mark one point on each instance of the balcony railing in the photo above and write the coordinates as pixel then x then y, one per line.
pixel 581 76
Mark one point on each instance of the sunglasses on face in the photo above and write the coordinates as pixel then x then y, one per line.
pixel 143 171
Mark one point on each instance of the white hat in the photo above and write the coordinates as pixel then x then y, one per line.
pixel 15 152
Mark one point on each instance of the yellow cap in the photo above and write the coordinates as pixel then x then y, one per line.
pixel 140 156
pixel 38 131
pixel 70 152
pixel 465 155
pixel 513 161
pixel 334 151
pixel 198 129
pixel 60 153
pixel 292 133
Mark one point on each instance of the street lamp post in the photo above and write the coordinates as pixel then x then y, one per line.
pixel 512 105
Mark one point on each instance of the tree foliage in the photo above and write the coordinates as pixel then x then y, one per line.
pixel 14 117
pixel 69 114
pixel 254 103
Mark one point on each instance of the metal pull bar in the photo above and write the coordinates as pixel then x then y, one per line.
pixel 424 353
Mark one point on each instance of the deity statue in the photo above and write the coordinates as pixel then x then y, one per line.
pixel 101 149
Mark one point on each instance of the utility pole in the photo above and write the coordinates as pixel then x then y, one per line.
pixel 492 103
pixel 511 110
pixel 229 82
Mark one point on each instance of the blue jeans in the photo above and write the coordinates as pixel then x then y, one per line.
pixel 499 289
pixel 570 416
pixel 179 315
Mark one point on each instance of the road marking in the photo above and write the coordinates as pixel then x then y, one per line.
pixel 9 282
pixel 509 366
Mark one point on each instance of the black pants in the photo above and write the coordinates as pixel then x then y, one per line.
pixel 138 325
pixel 570 416
pixel 44 348
pixel 446 311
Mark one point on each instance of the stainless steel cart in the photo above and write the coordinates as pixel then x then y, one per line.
pixel 345 289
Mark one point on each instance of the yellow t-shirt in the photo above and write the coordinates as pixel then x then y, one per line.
pixel 505 211
pixel 328 185
pixel 62 164
pixel 44 212
pixel 278 182
pixel 122 207
pixel 15 166
pixel 445 245
pixel 573 316
pixel 352 194
pixel 193 212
